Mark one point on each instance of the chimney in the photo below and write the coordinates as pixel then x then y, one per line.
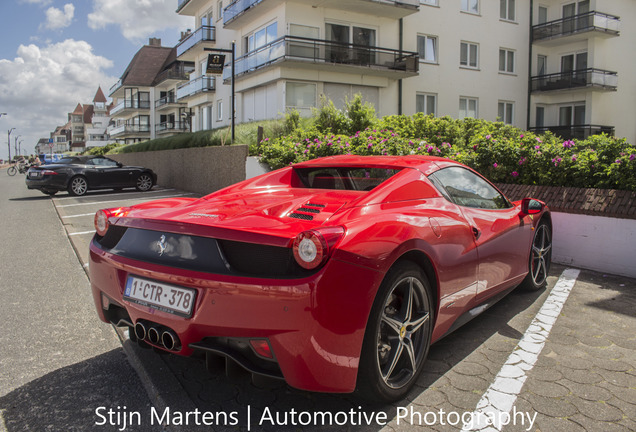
pixel 154 42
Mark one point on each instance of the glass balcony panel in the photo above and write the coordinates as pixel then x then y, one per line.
pixel 202 34
pixel 584 22
pixel 574 79
pixel 201 84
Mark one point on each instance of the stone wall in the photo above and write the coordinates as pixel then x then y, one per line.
pixel 201 170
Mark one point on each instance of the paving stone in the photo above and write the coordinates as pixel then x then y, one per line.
pixel 548 389
pixel 600 411
pixel 471 369
pixel 572 362
pixel 588 392
pixel 581 376
pixel 623 393
pixel 619 379
pixel 593 425
pixel 546 374
pixel 612 365
pixel 629 344
pixel 462 400
pixel 595 340
pixel 552 407
pixel 550 424
pixel 469 383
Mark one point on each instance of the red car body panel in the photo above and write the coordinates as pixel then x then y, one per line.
pixel 315 324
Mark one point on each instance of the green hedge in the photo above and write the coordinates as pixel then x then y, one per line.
pixel 500 152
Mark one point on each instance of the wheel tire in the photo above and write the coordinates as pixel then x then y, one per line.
pixel 144 183
pixel 48 192
pixel 398 335
pixel 12 170
pixel 540 257
pixel 78 186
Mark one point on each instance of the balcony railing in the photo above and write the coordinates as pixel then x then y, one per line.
pixel 115 87
pixel 167 127
pixel 128 129
pixel 170 99
pixel 178 71
pixel 239 7
pixel 575 79
pixel 199 85
pixel 323 51
pixel 130 104
pixel 202 34
pixel 575 131
pixel 579 23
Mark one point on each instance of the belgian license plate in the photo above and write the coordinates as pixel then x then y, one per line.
pixel 157 295
pixel 34 174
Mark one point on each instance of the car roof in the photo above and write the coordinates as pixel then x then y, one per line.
pixel 426 164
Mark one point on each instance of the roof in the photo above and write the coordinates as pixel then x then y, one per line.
pixel 78 110
pixel 99 96
pixel 88 113
pixel 145 65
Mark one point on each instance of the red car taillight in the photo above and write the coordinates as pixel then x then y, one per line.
pixel 101 218
pixel 48 172
pixel 312 248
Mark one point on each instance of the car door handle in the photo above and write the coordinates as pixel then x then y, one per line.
pixel 476 233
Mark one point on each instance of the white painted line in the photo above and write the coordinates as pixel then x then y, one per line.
pixel 121 200
pixel 78 215
pixel 93 195
pixel 493 410
pixel 81 233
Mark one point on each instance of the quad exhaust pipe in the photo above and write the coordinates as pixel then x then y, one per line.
pixel 157 335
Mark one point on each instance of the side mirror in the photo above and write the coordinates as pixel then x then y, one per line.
pixel 531 206
pixel 119 164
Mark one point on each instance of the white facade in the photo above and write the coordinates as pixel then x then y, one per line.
pixel 95 133
pixel 474 59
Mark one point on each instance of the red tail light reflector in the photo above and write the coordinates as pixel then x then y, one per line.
pixel 262 348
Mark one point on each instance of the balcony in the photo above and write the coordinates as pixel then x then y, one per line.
pixel 172 127
pixel 190 7
pixel 577 79
pixel 130 105
pixel 125 131
pixel 576 27
pixel 575 131
pixel 329 56
pixel 239 11
pixel 167 102
pixel 192 46
pixel 115 87
pixel 179 71
pixel 194 87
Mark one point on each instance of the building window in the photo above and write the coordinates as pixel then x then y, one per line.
pixel 506 112
pixel 300 95
pixel 507 10
pixel 506 60
pixel 426 103
pixel 543 15
pixel 471 6
pixel 467 107
pixel 219 10
pixel 427 48
pixel 469 55
pixel 219 110
pixel 429 2
pixel 572 115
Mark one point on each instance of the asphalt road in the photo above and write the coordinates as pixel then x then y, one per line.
pixel 58 362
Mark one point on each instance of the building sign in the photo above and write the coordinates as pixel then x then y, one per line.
pixel 215 64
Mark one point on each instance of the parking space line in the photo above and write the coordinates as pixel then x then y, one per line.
pixel 81 233
pixel 130 199
pixel 92 195
pixel 78 215
pixel 493 410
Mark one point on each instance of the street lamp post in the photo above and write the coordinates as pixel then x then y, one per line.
pixel 9 142
pixel 15 144
pixel 20 147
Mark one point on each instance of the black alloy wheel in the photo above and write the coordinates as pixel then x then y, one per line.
pixel 540 258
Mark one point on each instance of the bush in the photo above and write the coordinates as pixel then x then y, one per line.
pixel 502 153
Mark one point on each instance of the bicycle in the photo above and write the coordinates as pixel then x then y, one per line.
pixel 15 167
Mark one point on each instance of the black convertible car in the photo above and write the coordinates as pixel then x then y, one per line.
pixel 78 174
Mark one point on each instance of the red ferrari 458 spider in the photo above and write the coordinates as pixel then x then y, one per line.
pixel 334 274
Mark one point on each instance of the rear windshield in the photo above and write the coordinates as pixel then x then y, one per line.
pixel 344 178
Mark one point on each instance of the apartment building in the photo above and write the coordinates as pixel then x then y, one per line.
pixel 494 60
pixel 582 79
pixel 96 121
pixel 145 104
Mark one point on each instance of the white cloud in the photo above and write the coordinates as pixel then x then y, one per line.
pixel 137 19
pixel 44 84
pixel 57 19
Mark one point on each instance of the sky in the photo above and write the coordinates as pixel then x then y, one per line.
pixel 55 54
